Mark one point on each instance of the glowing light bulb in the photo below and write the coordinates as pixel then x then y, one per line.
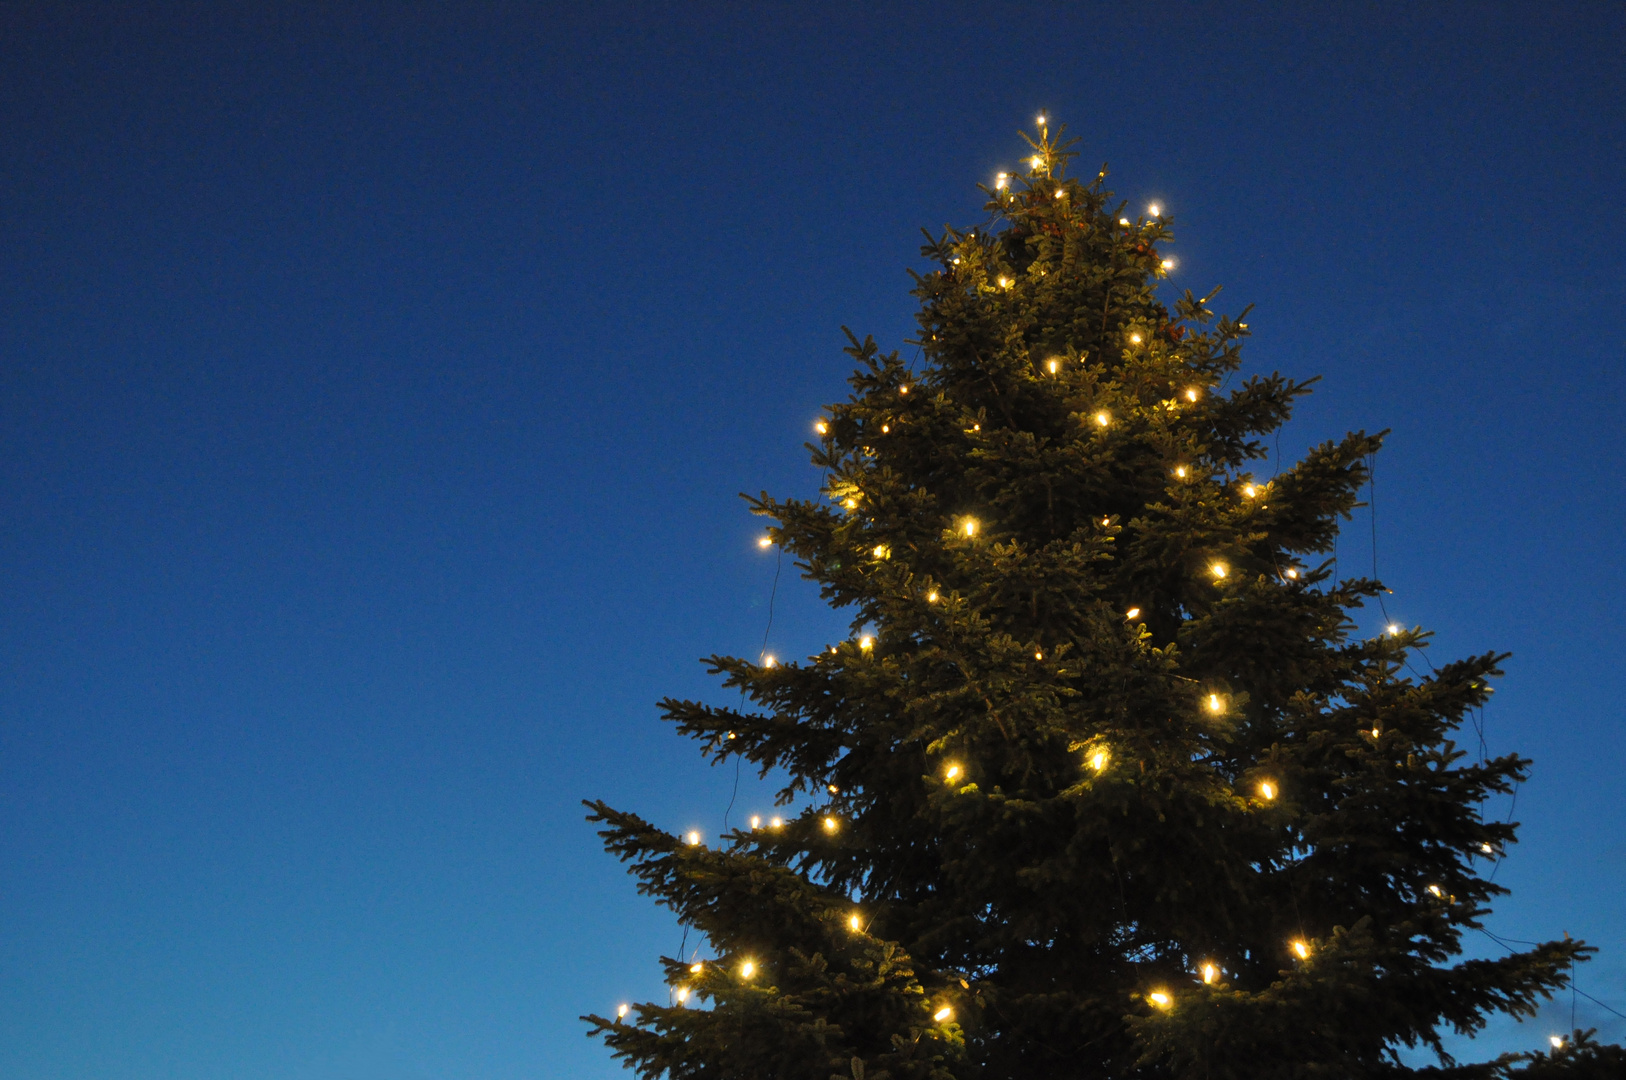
pixel 1487 849
pixel 1038 654
pixel 851 504
pixel 1155 210
pixel 951 773
pixel 776 823
pixel 1557 1041
pixel 1301 949
pixel 1168 264
pixel 1004 282
pixel 1376 733
pixel 1218 570
pixel 693 838
pixel 1098 760
pixel 903 389
pixel 1000 182
pixel 1293 574
pixel 1436 891
pixel 1180 471
pixel 880 551
pixel 970 527
pixel 765 542
pixel 1249 491
pixel 621 1011
pixel 832 789
pixel 697 967
pixel 821 427
pixel 1393 628
pixel 1191 395
pixel 885 428
pixel 866 642
pixel 1134 339
pixel 1040 121
pixel 768 661
pixel 756 822
pixel 747 969
pixel 855 922
pixel 1210 974
pixel 682 994
pixel 1160 999
pixel 1103 418
pixel 1053 365
pixel 830 824
pixel 1214 703
pixel 1267 791
pixel 1123 221
pixel 1061 193
pixel 943 1014
pixel 1037 161
pixel 1132 613
pixel 931 597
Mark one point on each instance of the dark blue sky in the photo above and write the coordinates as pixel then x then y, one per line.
pixel 376 386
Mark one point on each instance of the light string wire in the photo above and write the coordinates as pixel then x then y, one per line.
pixel 1503 942
pixel 762 654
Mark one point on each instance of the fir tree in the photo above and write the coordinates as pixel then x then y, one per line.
pixel 1105 782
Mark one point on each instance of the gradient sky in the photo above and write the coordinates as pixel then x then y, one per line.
pixel 376 385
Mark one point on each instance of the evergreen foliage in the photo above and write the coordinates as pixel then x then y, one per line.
pixel 1105 719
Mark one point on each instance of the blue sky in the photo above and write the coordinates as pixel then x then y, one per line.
pixel 376 384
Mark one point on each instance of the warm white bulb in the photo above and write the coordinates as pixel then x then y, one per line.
pixel 1134 339
pixel 880 551
pixel 1155 210
pixel 1249 491
pixel 1267 791
pixel 971 528
pixel 832 789
pixel 1436 891
pixel 1214 703
pixel 855 922
pixel 1123 221
pixel 1486 848
pixel 1557 1041
pixel 1053 365
pixel 696 968
pixel 682 994
pixel 931 597
pixel 1160 999
pixel 1191 395
pixel 774 823
pixel 821 427
pixel 1210 974
pixel 693 838
pixel 1037 161
pixel 1040 121
pixel 903 389
pixel 1168 264
pixel 1180 471
pixel 865 642
pixel 1004 282
pixel 943 1014
pixel 1000 184
pixel 747 970
pixel 1293 574
pixel 1301 949
pixel 756 822
pixel 1103 418
pixel 1098 760
pixel 1393 628
pixel 765 542
pixel 1132 613
pixel 1218 570
pixel 851 504
pixel 1061 193
pixel 769 661
pixel 621 1011
pixel 885 428
pixel 952 772
pixel 830 824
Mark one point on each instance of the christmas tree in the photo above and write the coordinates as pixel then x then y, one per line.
pixel 1105 782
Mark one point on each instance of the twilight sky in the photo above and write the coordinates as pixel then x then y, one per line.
pixel 376 384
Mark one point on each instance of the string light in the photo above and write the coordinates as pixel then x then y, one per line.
pixel 886 428
pixel 830 824
pixel 1160 999
pixel 1053 365
pixel 866 642
pixel 1214 703
pixel 970 527
pixel 1210 974
pixel 1180 471
pixel 697 967
pixel 775 823
pixel 682 994
pixel 1124 222
pixel 1155 210
pixel 748 969
pixel 832 789
pixel 693 838
pixel 822 428
pixel 1486 848
pixel 1038 654
pixel 880 551
pixel 768 661
pixel 951 773
pixel 903 389
pixel 1267 790
pixel 1004 282
pixel 1191 395
pixel 1249 491
pixel 931 597
pixel 943 1014
pixel 1376 733
pixel 1037 161
pixel 1293 575
pixel 1103 418
pixel 1301 949
pixel 1437 892
pixel 1098 761
pixel 1168 264
pixel 765 542
pixel 855 922
pixel 1218 570
pixel 1134 339
pixel 851 504
pixel 1557 1041
pixel 1393 628
pixel 1041 120
pixel 1132 613
pixel 621 1011
pixel 756 822
pixel 999 183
